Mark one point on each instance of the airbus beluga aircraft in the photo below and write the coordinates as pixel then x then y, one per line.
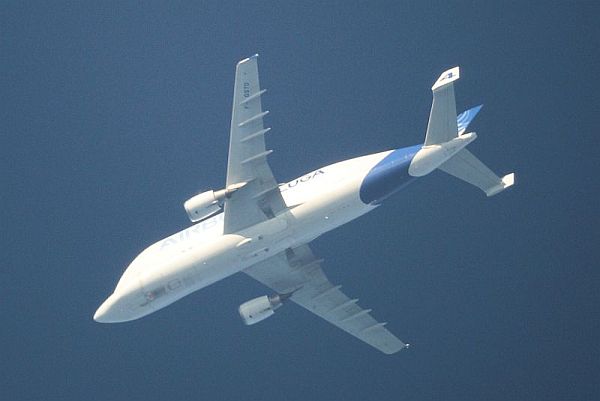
pixel 262 228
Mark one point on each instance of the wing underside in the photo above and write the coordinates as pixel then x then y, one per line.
pixel 299 272
pixel 259 198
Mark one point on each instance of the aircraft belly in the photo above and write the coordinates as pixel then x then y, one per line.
pixel 328 211
pixel 191 270
pixel 184 264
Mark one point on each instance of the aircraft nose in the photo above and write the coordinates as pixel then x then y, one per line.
pixel 110 311
pixel 118 307
pixel 101 312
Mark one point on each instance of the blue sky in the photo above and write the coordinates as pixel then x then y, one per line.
pixel 113 114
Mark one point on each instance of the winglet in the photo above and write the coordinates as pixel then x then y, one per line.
pixel 446 78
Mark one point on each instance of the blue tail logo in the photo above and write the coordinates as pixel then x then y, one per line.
pixel 464 119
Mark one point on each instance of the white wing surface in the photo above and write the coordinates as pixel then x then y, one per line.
pixel 299 272
pixel 467 167
pixel 259 199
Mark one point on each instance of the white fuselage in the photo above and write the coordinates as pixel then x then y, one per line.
pixel 201 255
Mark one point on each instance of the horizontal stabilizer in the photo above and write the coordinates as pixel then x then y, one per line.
pixel 464 119
pixel 465 166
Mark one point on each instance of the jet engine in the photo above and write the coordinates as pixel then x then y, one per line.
pixel 202 205
pixel 208 203
pixel 260 308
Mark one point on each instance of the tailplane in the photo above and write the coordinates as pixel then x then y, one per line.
pixel 445 142
pixel 465 166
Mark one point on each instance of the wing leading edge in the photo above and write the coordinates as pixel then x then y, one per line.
pixel 299 272
pixel 258 199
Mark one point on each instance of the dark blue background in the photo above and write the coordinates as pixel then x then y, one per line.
pixel 114 113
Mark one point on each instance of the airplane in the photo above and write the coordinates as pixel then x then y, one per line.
pixel 263 228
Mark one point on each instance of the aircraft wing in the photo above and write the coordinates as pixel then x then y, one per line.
pixel 299 272
pixel 259 199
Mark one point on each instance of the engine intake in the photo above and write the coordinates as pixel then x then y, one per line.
pixel 208 203
pixel 258 309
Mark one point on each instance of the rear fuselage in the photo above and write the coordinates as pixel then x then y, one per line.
pixel 201 255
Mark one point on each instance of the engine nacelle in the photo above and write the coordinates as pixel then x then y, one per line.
pixel 259 308
pixel 208 203
pixel 202 206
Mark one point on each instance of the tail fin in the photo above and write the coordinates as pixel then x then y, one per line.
pixel 464 119
pixel 442 125
pixel 445 141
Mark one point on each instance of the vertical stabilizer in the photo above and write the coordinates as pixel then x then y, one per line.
pixel 446 139
pixel 442 125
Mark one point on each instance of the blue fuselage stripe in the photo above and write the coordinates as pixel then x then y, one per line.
pixel 389 176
